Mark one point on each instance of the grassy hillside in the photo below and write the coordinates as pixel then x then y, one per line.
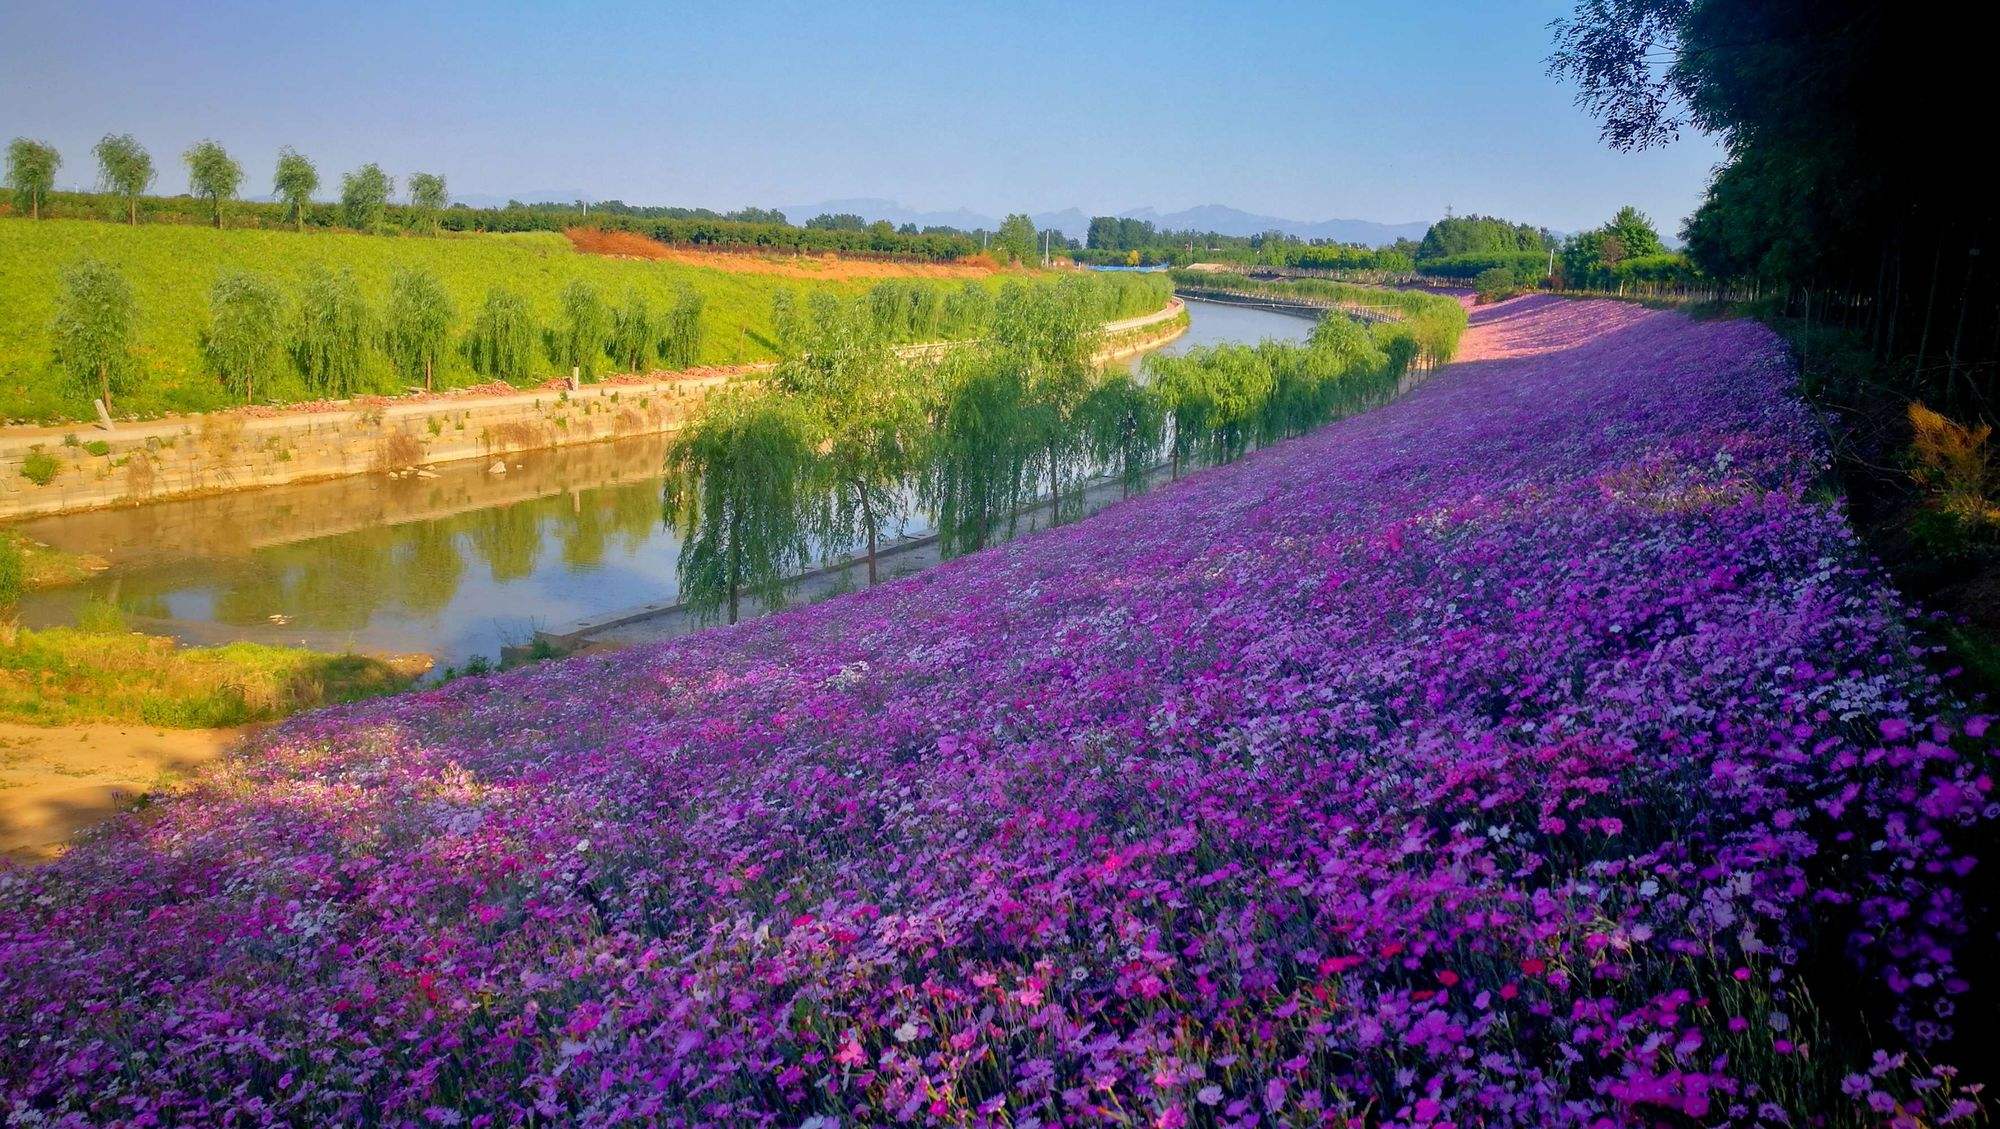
pixel 171 268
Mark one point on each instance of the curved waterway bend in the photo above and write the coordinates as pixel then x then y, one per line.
pixel 455 566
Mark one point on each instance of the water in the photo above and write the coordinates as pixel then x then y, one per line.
pixel 454 566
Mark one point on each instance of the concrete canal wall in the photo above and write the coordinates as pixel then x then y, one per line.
pixel 82 467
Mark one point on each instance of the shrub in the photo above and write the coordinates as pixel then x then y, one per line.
pixel 1955 463
pixel 1494 283
pixel 40 467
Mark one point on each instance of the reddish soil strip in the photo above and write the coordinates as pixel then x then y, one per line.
pixel 829 267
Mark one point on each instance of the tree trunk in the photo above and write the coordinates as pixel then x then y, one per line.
pixel 1930 305
pixel 427 374
pixel 134 202
pixel 868 527
pixel 1055 490
pixel 735 562
pixel 104 382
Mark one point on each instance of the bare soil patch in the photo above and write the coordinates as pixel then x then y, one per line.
pixel 55 782
pixel 829 267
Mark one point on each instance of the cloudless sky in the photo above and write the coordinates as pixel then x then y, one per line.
pixel 1387 111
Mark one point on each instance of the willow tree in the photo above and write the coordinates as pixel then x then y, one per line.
pixel 578 339
pixel 1185 393
pixel 244 326
pixel 632 327
pixel 125 169
pixel 93 326
pixel 1124 424
pixel 1047 337
pixel 364 197
pixel 428 199
pixel 417 324
pixel 680 330
pixel 31 173
pixel 739 490
pixel 294 182
pixel 213 174
pixel 330 333
pixel 501 342
pixel 977 460
pixel 868 419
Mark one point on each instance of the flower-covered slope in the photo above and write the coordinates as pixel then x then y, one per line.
pixel 1503 756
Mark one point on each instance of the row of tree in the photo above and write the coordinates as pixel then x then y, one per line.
pixel 1125 241
pixel 367 203
pixel 125 171
pixel 848 438
pixel 328 331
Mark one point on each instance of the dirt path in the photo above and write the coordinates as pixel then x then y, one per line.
pixel 56 781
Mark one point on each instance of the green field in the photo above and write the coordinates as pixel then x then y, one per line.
pixel 171 268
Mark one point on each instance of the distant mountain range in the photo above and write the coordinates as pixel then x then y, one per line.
pixel 1074 222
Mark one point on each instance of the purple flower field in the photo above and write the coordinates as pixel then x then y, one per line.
pixel 1509 755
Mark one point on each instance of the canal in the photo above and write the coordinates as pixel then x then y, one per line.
pixel 456 565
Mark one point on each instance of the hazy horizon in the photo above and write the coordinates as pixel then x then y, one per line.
pixel 1286 110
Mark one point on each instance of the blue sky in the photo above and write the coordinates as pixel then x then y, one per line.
pixel 1383 111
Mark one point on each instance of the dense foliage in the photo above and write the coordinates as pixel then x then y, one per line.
pixel 1533 751
pixel 1481 235
pixel 92 328
pixel 1114 241
pixel 1842 191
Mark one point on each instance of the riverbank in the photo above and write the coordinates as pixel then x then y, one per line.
pixel 53 470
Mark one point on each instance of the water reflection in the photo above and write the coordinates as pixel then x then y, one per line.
pixel 455 565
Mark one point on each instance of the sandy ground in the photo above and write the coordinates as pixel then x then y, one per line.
pixel 832 268
pixel 57 781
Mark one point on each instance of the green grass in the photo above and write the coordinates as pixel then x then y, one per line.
pixel 172 266
pixel 66 676
pixel 43 566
